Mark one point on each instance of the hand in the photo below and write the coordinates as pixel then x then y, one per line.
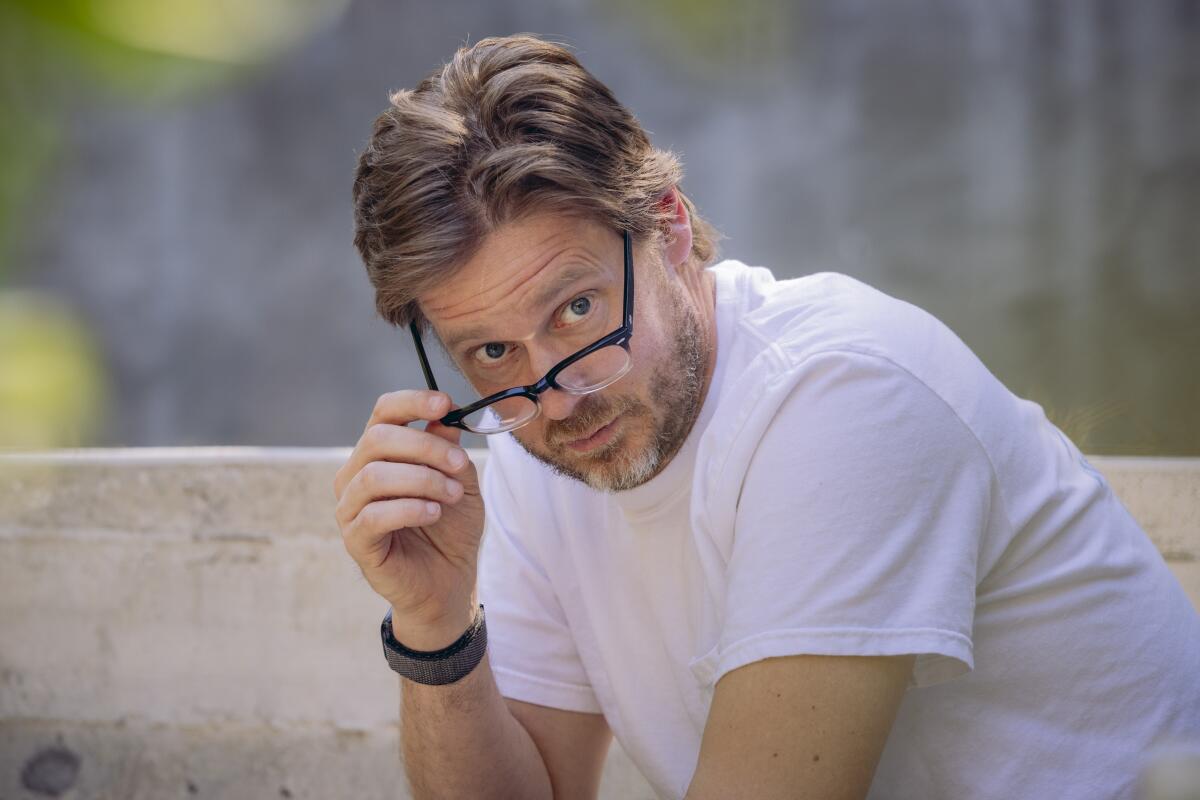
pixel 411 517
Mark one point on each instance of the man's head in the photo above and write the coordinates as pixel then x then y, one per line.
pixel 499 173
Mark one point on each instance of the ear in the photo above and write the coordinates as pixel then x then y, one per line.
pixel 679 229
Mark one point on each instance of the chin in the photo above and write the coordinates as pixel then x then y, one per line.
pixel 627 469
pixel 626 462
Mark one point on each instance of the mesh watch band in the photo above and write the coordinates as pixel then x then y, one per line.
pixel 436 667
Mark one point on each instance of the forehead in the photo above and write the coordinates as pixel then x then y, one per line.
pixel 517 268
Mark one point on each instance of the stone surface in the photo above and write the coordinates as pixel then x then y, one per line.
pixel 186 623
pixel 131 759
pixel 1163 495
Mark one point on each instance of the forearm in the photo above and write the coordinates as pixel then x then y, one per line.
pixel 459 740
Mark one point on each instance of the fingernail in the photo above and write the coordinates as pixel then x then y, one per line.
pixel 433 509
pixel 453 487
pixel 457 458
pixel 435 403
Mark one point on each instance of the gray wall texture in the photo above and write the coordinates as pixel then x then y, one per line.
pixel 1027 171
pixel 185 623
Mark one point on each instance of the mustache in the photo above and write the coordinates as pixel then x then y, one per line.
pixel 592 412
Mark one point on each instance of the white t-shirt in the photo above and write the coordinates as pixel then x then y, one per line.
pixel 858 483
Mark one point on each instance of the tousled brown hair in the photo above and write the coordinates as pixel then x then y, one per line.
pixel 508 127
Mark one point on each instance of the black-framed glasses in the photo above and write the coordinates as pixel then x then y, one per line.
pixel 588 370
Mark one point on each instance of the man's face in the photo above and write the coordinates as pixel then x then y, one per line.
pixel 541 288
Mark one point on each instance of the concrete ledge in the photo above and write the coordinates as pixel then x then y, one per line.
pixel 130 759
pixel 187 624
pixel 181 617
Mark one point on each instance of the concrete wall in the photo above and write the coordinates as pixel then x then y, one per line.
pixel 185 623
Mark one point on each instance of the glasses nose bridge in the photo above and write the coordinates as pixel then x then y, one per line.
pixel 555 403
pixel 542 359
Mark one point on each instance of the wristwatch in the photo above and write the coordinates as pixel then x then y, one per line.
pixel 436 667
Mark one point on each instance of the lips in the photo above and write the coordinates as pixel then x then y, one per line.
pixel 601 436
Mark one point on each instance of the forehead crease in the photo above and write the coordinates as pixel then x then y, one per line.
pixel 503 289
pixel 451 341
pixel 533 297
pixel 547 293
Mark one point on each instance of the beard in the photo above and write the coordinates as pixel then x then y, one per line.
pixel 676 395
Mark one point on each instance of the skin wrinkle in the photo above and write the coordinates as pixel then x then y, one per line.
pixel 502 289
pixel 552 295
pixel 571 275
pixel 514 291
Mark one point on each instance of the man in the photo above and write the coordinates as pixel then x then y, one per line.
pixel 782 538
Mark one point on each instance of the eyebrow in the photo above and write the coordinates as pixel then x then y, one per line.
pixel 561 281
pixel 544 296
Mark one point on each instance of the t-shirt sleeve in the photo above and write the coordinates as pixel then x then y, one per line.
pixel 530 647
pixel 859 524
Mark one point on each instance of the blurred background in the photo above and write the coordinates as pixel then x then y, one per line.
pixel 176 265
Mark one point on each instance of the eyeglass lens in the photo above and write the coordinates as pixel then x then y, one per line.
pixel 589 374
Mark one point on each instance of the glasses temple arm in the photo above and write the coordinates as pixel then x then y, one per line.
pixel 628 310
pixel 416 334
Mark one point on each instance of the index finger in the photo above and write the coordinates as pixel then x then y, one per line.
pixel 409 405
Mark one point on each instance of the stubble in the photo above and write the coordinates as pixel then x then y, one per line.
pixel 676 396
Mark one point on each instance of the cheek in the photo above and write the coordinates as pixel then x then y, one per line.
pixel 647 347
pixel 532 435
pixel 654 321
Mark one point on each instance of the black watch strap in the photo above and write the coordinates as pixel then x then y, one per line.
pixel 436 667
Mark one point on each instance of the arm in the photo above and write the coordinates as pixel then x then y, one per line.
pixel 411 515
pixel 573 746
pixel 465 740
pixel 799 726
pixel 460 740
pixel 855 548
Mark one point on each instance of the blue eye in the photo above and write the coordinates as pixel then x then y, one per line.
pixel 576 310
pixel 490 352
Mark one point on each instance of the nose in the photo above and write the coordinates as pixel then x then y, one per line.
pixel 555 404
pixel 558 405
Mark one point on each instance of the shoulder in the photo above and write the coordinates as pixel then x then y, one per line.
pixel 873 369
pixel 778 332
pixel 788 321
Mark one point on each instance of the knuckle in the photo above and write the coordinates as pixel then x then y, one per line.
pixel 436 452
pixel 369 518
pixel 374 479
pixel 430 447
pixel 376 436
pixel 414 510
pixel 381 405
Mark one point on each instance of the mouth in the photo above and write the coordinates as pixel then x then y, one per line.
pixel 599 438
